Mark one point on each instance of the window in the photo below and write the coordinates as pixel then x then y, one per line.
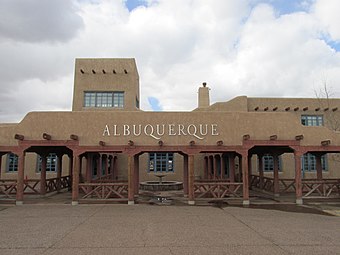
pixel 51 164
pixel 308 162
pixel 104 99
pixel 312 120
pixel 161 162
pixel 268 163
pixel 12 162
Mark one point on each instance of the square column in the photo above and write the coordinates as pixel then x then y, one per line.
pixel 59 170
pixel 260 162
pixel 1 154
pixel 136 175
pixel 245 179
pixel 232 168
pixel 298 179
pixel 43 174
pixel 75 179
pixel 131 179
pixel 318 166
pixel 185 175
pixel 276 175
pixel 20 178
pixel 191 177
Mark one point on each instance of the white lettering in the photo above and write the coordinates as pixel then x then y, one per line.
pixel 139 130
pixel 163 130
pixel 192 126
pixel 126 129
pixel 106 131
pixel 214 129
pixel 203 133
pixel 181 129
pixel 172 129
pixel 115 131
pixel 151 133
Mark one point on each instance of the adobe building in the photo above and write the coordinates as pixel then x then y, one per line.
pixel 107 148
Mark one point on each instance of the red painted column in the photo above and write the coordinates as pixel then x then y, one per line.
pixel 249 170
pixel 260 163
pixel 114 168
pixel 1 154
pixel 209 167
pixel 206 168
pixel 245 178
pixel 318 166
pixel 298 179
pixel 232 168
pixel 240 169
pixel 59 170
pixel 191 177
pixel 276 175
pixel 131 179
pixel 136 175
pixel 75 178
pixel 185 175
pixel 70 170
pixel 20 178
pixel 43 174
pixel 222 164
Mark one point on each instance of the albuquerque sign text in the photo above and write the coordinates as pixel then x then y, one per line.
pixel 157 131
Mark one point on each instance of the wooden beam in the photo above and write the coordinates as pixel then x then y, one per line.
pixel 326 142
pixel 266 109
pixel 47 136
pixel 287 109
pixel 246 137
pixel 275 108
pixel 219 143
pixel 305 109
pixel 160 143
pixel 335 109
pixel 101 143
pixel 82 71
pixel 93 71
pixel 192 143
pixel 103 71
pixel 74 137
pixel 296 109
pixel 273 137
pixel 131 143
pixel 298 137
pixel 19 137
pixel 256 108
pixel 317 109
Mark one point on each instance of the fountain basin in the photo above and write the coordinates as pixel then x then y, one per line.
pixel 161 186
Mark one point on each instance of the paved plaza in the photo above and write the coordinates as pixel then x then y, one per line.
pixel 156 229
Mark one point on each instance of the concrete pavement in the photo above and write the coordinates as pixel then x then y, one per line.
pixel 153 229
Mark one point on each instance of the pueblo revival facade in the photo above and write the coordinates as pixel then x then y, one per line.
pixel 107 148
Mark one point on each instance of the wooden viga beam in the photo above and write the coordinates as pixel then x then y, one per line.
pixel 19 137
pixel 273 137
pixel 299 137
pixel 326 142
pixel 74 137
pixel 46 136
pixel 101 143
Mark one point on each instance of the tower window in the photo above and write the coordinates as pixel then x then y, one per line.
pixel 104 99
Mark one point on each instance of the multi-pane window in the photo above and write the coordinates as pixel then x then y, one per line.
pixel 161 162
pixel 268 163
pixel 51 163
pixel 12 162
pixel 309 162
pixel 312 120
pixel 104 99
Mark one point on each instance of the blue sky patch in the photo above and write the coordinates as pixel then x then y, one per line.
pixel 287 6
pixel 132 4
pixel 154 103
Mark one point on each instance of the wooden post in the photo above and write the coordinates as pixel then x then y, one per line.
pixel 222 164
pixel 209 167
pixel 232 168
pixel 106 166
pixel 114 168
pixel 112 159
pixel 191 177
pixel 276 175
pixel 185 175
pixel 249 171
pixel 131 179
pixel 206 168
pixel 1 154
pixel 136 174
pixel 318 166
pixel 260 159
pixel 215 166
pixel 59 170
pixel 75 178
pixel 70 170
pixel 245 178
pixel 298 179
pixel 43 174
pixel 20 178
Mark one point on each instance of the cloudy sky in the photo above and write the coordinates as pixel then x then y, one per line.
pixel 263 48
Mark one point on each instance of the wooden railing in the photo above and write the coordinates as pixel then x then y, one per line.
pixel 116 191
pixel 310 187
pixel 217 189
pixel 55 184
pixel 8 188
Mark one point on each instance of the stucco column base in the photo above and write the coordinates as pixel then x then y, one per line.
pixel 191 202
pixel 131 202
pixel 185 195
pixel 75 203
pixel 299 201
pixel 276 195
pixel 246 202
pixel 19 202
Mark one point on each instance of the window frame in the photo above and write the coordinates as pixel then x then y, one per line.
pixel 51 163
pixel 312 120
pixel 12 163
pixel 104 99
pixel 308 163
pixel 161 162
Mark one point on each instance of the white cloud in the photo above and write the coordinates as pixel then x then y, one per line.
pixel 178 44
